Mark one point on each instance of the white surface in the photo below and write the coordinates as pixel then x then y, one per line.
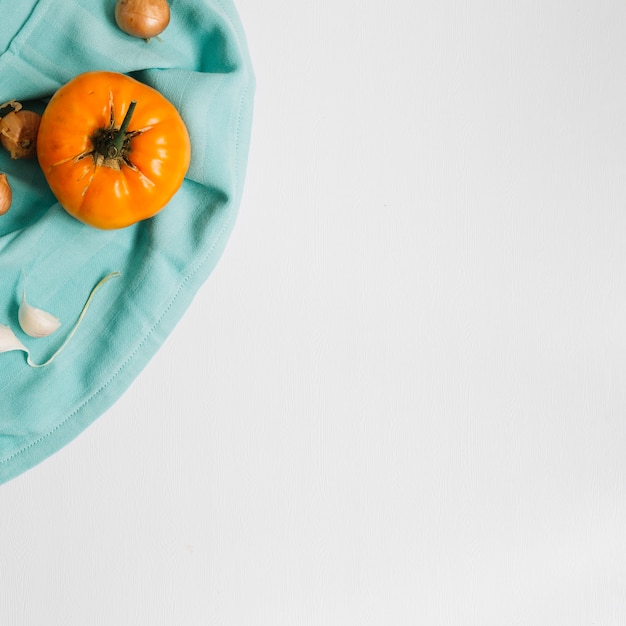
pixel 400 398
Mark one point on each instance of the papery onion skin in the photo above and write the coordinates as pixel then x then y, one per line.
pixel 142 18
pixel 18 133
pixel 6 194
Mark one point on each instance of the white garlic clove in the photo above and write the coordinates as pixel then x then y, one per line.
pixel 31 317
pixel 36 322
pixel 8 340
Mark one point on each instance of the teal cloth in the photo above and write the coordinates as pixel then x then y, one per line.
pixel 200 63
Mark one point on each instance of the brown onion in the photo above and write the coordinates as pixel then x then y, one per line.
pixel 18 132
pixel 6 195
pixel 142 18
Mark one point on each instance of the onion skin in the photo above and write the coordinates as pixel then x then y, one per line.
pixel 6 195
pixel 142 18
pixel 18 133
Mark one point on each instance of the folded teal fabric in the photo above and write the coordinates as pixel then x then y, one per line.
pixel 202 65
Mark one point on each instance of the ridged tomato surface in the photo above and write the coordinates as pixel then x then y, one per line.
pixel 98 183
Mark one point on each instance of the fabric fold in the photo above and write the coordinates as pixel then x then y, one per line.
pixel 202 65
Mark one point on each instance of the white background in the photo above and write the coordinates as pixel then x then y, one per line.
pixel 400 398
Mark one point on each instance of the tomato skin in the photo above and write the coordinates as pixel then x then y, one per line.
pixel 103 192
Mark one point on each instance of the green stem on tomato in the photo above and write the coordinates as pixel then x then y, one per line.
pixel 120 136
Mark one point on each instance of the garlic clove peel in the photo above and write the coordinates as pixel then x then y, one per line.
pixel 36 322
pixel 9 342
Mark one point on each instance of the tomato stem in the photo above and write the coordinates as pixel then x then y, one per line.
pixel 120 136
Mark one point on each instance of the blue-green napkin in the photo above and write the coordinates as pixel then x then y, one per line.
pixel 201 64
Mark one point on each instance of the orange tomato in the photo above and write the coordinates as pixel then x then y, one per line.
pixel 113 150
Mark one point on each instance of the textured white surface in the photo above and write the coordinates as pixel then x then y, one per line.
pixel 400 397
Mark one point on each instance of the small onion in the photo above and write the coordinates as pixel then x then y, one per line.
pixel 6 195
pixel 142 18
pixel 18 133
